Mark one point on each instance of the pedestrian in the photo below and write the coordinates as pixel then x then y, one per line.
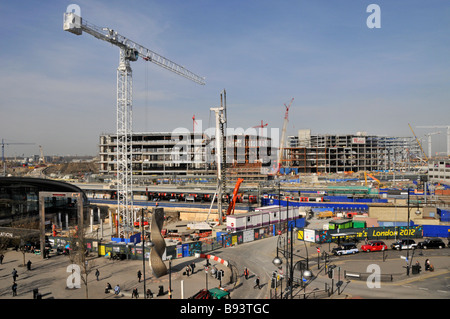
pixel 14 274
pixel 1 259
pixel 97 273
pixel 149 293
pixel 427 264
pixel 116 289
pixel 135 293
pixel 187 270
pixel 418 267
pixel 193 267
pixel 139 274
pixel 108 288
pixel 257 283
pixel 246 273
pixel 14 289
pixel 29 265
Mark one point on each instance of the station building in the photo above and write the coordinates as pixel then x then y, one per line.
pixel 19 200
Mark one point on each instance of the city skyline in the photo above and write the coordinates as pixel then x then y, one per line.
pixel 58 90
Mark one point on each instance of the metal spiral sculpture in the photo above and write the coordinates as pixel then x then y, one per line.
pixel 156 264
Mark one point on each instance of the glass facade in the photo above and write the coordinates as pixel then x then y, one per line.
pixel 19 200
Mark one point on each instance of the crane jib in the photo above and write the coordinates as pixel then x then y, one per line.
pixel 76 25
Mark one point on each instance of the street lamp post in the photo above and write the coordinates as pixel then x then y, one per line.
pixel 170 276
pixel 289 255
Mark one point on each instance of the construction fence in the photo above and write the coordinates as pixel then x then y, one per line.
pixel 126 251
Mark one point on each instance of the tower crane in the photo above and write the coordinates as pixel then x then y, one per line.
pixel 262 125
pixel 448 134
pixel 283 136
pixel 3 152
pixel 420 145
pixel 193 124
pixel 130 51
pixel 429 142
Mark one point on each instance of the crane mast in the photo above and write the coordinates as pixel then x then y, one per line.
pixel 283 136
pixel 448 134
pixel 129 51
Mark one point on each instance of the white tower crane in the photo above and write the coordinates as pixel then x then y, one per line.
pixel 429 135
pixel 448 134
pixel 129 51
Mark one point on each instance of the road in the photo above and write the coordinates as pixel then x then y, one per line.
pixel 258 256
pixel 50 275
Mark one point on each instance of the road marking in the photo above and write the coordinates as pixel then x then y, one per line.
pixel 407 286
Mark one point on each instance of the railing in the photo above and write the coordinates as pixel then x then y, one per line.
pixel 365 276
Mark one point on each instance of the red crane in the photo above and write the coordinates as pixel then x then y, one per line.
pixel 262 125
pixel 193 124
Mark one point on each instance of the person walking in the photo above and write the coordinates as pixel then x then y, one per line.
pixel 139 274
pixel 246 273
pixel 427 264
pixel 1 259
pixel 14 274
pixel 193 267
pixel 188 270
pixel 14 289
pixel 117 289
pixel 29 265
pixel 257 283
pixel 97 273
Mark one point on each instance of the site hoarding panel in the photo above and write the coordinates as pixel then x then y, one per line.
pixel 248 235
pixel 310 235
pixel 372 233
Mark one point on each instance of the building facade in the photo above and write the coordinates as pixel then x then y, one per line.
pixel 439 171
pixel 307 153
pixel 187 154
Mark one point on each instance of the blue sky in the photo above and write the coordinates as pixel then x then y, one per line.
pixel 58 90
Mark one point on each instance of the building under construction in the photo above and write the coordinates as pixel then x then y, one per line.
pixel 306 153
pixel 189 155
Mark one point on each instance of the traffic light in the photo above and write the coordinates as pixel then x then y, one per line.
pixel 273 283
pixel 330 271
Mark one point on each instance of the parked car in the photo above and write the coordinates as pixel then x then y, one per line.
pixel 345 249
pixel 404 244
pixel 376 245
pixel 431 243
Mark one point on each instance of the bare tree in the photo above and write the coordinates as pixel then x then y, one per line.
pixel 79 255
